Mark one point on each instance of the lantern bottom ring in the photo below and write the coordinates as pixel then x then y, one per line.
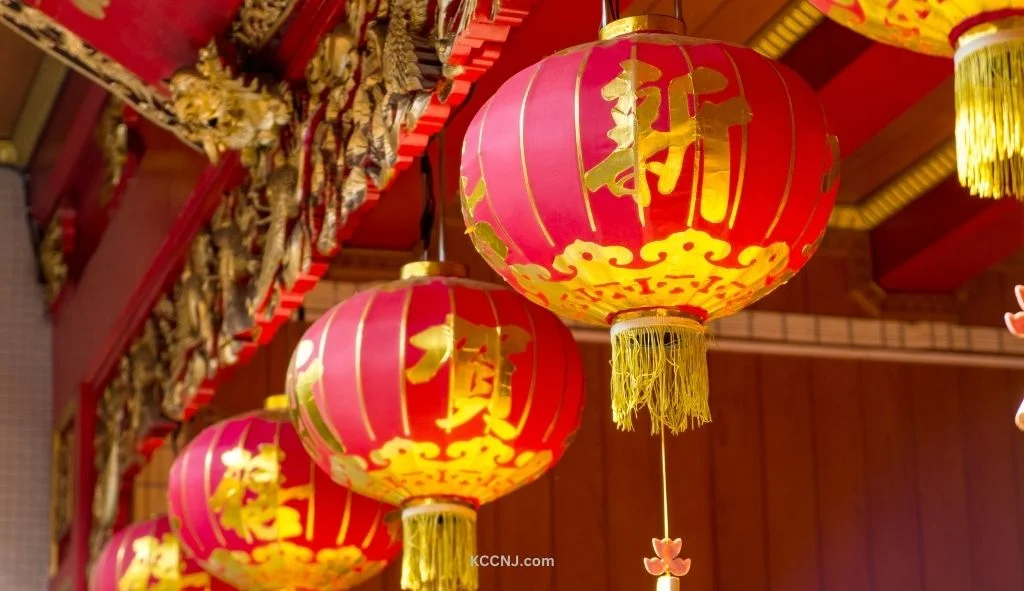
pixel 450 508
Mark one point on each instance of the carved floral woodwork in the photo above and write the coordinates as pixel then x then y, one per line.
pixel 55 246
pixel 258 21
pixel 112 138
pixel 221 111
pixel 316 155
pixel 59 41
pixel 62 487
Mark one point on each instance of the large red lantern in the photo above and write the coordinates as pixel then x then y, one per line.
pixel 651 182
pixel 439 394
pixel 147 556
pixel 253 509
pixel 985 38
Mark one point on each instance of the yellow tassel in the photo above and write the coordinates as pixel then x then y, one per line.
pixel 438 544
pixel 990 112
pixel 660 363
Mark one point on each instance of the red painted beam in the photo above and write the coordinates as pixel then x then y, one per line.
pixel 944 239
pixel 827 50
pixel 139 251
pixel 875 89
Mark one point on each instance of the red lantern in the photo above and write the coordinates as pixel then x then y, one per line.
pixel 651 182
pixel 439 394
pixel 146 556
pixel 254 510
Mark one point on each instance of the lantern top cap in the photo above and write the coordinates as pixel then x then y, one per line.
pixel 420 269
pixel 648 23
pixel 277 402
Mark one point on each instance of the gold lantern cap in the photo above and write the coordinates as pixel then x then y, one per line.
pixel 648 23
pixel 277 403
pixel 420 269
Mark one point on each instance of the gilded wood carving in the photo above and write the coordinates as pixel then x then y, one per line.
pixel 314 155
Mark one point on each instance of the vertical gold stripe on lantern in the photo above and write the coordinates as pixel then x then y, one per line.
pixel 566 346
pixel 506 237
pixel 989 112
pixel 697 159
pixel 278 425
pixel 346 519
pixel 637 171
pixel 792 154
pixel 207 492
pixel 743 143
pixel 533 374
pixel 522 155
pixel 241 445
pixel 451 362
pixel 311 514
pixel 326 419
pixel 360 393
pixel 579 142
pixel 373 528
pixel 403 336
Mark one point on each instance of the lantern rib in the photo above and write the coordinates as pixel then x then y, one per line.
pixel 792 154
pixel 207 493
pixel 360 394
pixel 533 375
pixel 328 420
pixel 743 143
pixel 522 156
pixel 579 142
pixel 483 179
pixel 403 337
pixel 697 156
pixel 311 514
pixel 346 519
pixel 373 529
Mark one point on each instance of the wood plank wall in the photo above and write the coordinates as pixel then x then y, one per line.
pixel 815 475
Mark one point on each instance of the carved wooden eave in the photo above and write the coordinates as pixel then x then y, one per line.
pixel 375 92
pixel 67 47
pixel 789 26
pixel 921 177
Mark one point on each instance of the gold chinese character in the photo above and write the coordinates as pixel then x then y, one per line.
pixel 638 105
pixel 263 514
pixel 481 378
pixel 156 566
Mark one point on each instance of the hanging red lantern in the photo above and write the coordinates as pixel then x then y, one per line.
pixel 985 38
pixel 438 394
pixel 251 507
pixel 145 556
pixel 651 182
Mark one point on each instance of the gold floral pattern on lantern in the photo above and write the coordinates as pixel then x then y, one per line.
pixel 332 568
pixel 483 468
pixel 689 266
pixel 156 566
pixel 251 500
pixel 918 25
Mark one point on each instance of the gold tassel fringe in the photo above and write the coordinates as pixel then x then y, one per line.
pixel 990 115
pixel 660 363
pixel 438 544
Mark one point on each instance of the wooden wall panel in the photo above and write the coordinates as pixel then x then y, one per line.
pixel 815 475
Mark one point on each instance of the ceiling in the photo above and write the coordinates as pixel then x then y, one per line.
pixel 31 82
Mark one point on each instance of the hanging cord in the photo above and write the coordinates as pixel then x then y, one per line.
pixel 429 206
pixel 664 482
pixel 443 190
pixel 679 9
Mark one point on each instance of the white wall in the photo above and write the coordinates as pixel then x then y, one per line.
pixel 25 402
